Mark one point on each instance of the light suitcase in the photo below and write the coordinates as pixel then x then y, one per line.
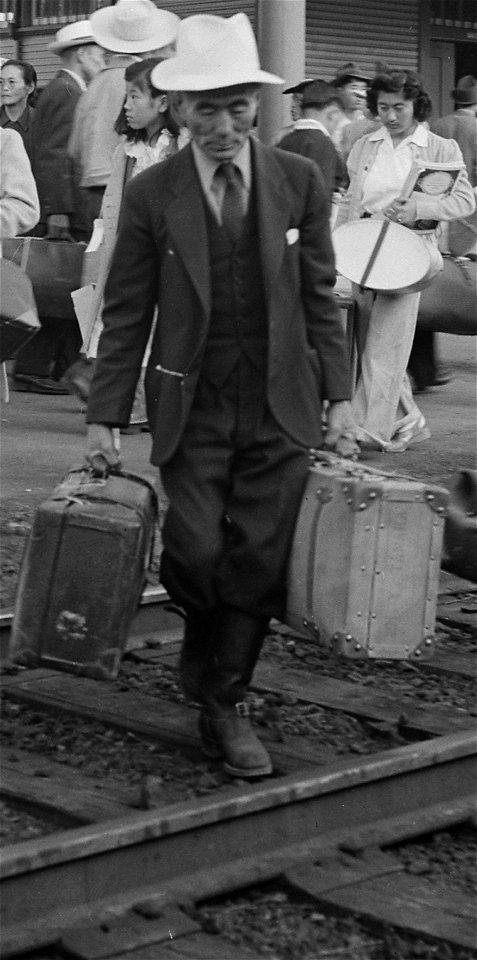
pixel 83 573
pixel 365 561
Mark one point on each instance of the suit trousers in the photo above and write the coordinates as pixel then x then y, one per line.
pixel 234 487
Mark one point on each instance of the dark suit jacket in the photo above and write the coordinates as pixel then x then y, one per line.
pixel 161 257
pixel 318 147
pixel 57 182
pixel 462 127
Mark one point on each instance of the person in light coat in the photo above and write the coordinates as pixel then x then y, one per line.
pixel 384 410
pixel 19 204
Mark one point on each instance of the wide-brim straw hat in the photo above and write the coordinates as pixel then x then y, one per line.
pixel 73 35
pixel 212 53
pixel 134 26
pixel 465 92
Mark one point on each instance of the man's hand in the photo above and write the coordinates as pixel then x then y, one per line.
pixel 58 227
pixel 341 432
pixel 101 453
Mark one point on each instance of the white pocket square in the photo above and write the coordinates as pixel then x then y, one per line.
pixel 292 236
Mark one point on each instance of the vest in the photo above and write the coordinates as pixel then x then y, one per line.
pixel 238 322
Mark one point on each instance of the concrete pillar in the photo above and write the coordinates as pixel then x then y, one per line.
pixel 281 44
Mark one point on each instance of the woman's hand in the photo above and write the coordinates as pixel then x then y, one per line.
pixel 402 211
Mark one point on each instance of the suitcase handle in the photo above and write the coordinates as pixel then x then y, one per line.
pixel 352 466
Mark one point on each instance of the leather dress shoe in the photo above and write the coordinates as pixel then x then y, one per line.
pixel 27 384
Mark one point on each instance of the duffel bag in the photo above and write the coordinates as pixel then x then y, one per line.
pixel 18 314
pixel 460 530
pixel 54 268
pixel 448 304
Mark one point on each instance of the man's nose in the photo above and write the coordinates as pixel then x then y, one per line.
pixel 224 121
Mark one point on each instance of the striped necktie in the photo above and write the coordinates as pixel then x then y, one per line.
pixel 232 204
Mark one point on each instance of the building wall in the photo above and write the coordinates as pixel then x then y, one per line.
pixel 34 43
pixel 338 31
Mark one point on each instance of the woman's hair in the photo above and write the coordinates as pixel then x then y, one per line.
pixel 139 74
pixel 393 81
pixel 29 76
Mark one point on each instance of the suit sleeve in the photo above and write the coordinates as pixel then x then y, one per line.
pixel 129 300
pixel 325 329
pixel 53 167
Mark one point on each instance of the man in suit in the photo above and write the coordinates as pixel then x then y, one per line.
pixel 58 188
pixel 460 237
pixel 130 30
pixel 39 367
pixel 321 111
pixel 461 125
pixel 230 240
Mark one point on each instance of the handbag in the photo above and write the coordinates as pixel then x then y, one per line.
pixel 18 314
pixel 448 305
pixel 54 268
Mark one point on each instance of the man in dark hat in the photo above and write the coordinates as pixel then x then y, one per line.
pixel 352 84
pixel 321 112
pixel 461 125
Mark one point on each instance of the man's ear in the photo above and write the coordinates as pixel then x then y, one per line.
pixel 177 104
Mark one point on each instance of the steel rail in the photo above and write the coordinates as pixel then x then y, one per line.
pixel 52 883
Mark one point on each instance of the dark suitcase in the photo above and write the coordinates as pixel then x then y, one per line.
pixel 18 314
pixel 54 268
pixel 83 573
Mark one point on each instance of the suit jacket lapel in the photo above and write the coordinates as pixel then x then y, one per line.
pixel 187 226
pixel 273 212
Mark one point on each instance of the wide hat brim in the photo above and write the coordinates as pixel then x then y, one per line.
pixel 298 87
pixel 213 53
pixel 56 46
pixel 342 78
pixel 465 97
pixel 172 75
pixel 161 31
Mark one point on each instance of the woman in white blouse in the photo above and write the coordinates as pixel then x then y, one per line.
pixel 383 406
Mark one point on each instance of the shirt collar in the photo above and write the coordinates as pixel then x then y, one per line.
pixel 206 167
pixel 23 120
pixel 310 123
pixel 419 136
pixel 77 77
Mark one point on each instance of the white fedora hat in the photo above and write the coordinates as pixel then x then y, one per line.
pixel 134 26
pixel 212 53
pixel 73 35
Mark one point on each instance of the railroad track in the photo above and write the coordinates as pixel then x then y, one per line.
pixel 118 879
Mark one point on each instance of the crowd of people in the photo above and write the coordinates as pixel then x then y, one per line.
pixel 214 321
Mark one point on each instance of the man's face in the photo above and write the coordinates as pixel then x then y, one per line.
pixel 219 121
pixel 354 94
pixel 92 61
pixel 295 106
